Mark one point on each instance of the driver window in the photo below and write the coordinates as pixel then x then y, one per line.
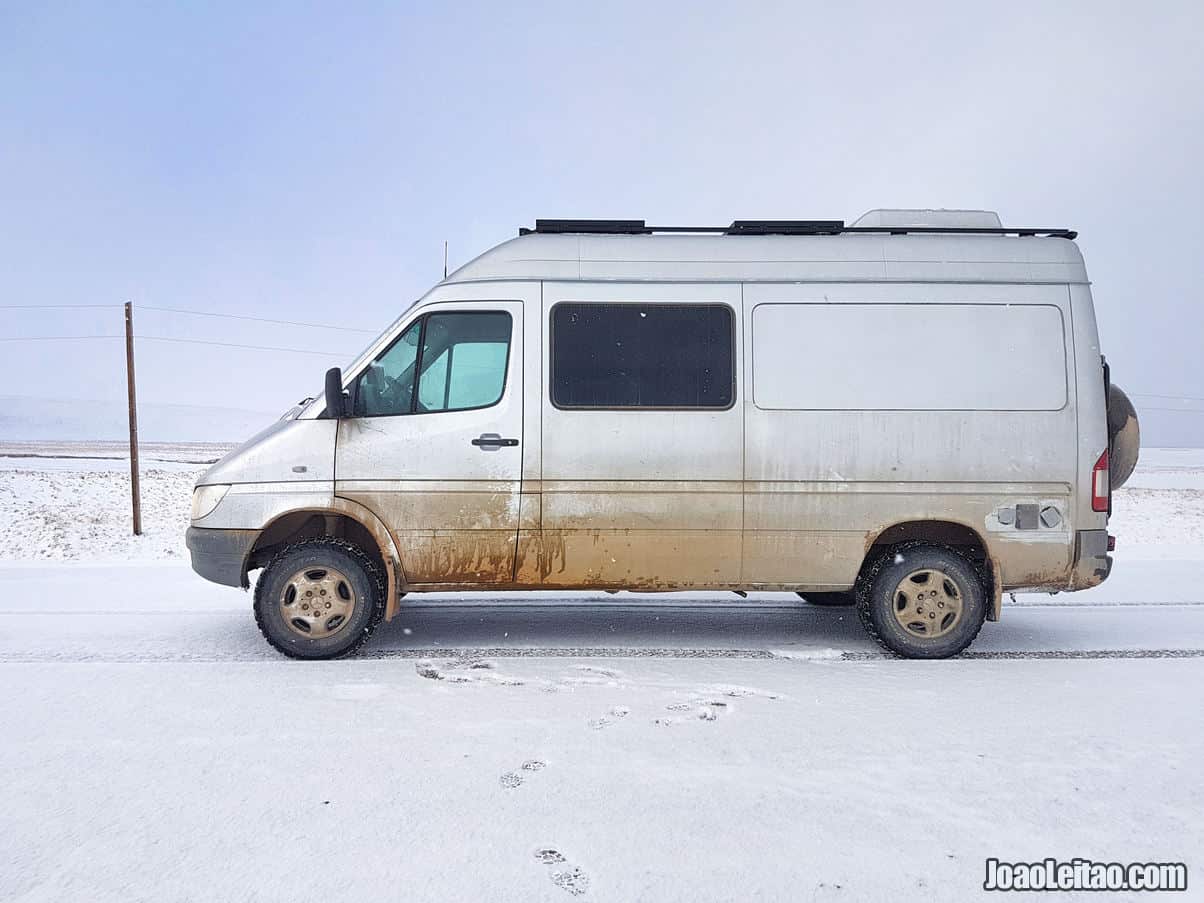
pixel 463 361
pixel 462 365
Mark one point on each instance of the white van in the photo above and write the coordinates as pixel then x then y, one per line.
pixel 910 413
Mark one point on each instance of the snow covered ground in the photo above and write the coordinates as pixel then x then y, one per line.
pixel 625 747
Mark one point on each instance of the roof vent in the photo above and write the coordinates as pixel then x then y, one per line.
pixel 930 219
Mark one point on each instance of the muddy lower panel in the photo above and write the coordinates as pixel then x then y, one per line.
pixel 447 533
pixel 637 534
pixel 678 535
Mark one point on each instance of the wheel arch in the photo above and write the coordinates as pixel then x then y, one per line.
pixel 335 517
pixel 945 532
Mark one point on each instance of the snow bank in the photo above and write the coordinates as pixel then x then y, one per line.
pixel 85 514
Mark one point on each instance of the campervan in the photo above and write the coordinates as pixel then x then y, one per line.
pixel 910 414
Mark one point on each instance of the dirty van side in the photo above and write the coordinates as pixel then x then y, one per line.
pixel 642 438
pixel 912 413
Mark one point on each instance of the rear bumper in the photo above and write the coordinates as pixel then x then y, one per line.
pixel 1092 563
pixel 221 555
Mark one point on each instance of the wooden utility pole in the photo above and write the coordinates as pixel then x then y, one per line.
pixel 135 489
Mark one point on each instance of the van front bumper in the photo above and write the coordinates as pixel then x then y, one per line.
pixel 221 555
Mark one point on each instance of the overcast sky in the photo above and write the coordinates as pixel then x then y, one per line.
pixel 306 162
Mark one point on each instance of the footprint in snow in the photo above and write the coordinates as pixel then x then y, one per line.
pixel 746 692
pixel 611 673
pixel 700 709
pixel 594 669
pixel 563 874
pixel 513 779
pixel 575 881
pixel 615 714
pixel 464 672
pixel 590 676
pixel 428 670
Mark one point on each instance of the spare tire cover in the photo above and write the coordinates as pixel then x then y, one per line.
pixel 1124 436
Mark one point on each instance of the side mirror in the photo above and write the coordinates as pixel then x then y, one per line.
pixel 336 400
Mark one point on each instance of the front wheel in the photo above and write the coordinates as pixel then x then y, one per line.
pixel 319 598
pixel 923 601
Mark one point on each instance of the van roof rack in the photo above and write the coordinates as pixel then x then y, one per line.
pixel 771 227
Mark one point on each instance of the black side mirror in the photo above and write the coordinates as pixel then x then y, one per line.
pixel 336 400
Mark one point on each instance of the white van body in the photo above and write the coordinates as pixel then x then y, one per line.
pixel 887 388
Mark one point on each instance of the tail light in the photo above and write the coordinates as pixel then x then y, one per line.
pixel 1101 485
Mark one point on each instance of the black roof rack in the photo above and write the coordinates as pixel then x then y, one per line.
pixel 786 227
pixel 771 227
pixel 593 226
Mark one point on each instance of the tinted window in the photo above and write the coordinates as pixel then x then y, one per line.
pixel 461 365
pixel 642 356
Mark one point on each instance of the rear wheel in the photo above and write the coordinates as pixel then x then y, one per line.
pixel 923 601
pixel 319 598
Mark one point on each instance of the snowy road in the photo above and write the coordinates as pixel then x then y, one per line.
pixel 573 746
pixel 163 613
pixel 721 750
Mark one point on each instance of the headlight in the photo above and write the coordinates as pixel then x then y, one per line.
pixel 206 498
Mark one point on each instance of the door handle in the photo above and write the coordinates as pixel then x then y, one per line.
pixel 493 441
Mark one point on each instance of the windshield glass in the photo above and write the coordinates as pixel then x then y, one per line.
pixel 365 354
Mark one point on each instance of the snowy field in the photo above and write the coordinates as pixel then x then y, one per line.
pixel 609 748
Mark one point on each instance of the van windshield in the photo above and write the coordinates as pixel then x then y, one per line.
pixel 368 349
pixel 357 361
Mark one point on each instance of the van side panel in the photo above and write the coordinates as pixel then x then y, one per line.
pixel 825 478
pixel 635 497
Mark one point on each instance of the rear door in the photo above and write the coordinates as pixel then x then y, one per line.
pixel 434 444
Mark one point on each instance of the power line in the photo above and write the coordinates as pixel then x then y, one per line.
pixel 195 313
pixel 161 338
pixel 52 306
pixel 1174 410
pixel 56 338
pixel 1171 397
pixel 209 313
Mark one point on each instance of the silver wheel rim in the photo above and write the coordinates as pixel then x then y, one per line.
pixel 927 604
pixel 317 602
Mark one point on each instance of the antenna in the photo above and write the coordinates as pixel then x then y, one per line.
pixel 445 258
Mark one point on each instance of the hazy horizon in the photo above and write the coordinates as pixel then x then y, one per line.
pixel 308 164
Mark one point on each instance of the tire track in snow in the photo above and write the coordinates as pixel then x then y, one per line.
pixel 819 655
pixel 1057 654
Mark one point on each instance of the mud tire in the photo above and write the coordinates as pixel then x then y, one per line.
pixel 876 592
pixel 361 571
